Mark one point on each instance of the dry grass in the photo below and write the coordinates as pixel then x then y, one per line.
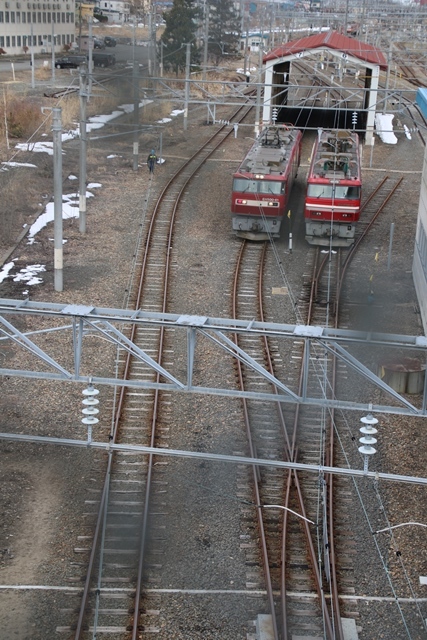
pixel 125 31
pixel 157 110
pixel 20 115
pixel 26 121
pixel 22 111
pixel 97 105
pixel 21 204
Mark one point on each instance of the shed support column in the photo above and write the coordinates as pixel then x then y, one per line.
pixel 373 94
pixel 268 81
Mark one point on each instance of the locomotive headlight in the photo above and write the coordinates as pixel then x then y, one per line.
pixel 271 204
pixel 241 201
pixel 259 176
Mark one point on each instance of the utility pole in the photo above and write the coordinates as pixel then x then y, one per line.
pixel 90 57
pixel 83 149
pixel 134 40
pixel 162 44
pixel 272 16
pixel 258 93
pixel 53 48
pixel 205 38
pixel 245 63
pixel 153 35
pixel 57 198
pixel 33 84
pixel 387 78
pixel 135 74
pixel 80 27
pixel 187 83
pixel 150 55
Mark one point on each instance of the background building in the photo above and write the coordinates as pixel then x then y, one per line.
pixel 36 24
pixel 117 11
pixel 419 268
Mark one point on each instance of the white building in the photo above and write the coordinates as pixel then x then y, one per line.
pixel 116 10
pixel 36 24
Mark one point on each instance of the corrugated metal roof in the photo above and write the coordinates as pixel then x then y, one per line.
pixel 330 40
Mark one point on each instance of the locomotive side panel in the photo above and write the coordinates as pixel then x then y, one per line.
pixel 262 185
pixel 334 189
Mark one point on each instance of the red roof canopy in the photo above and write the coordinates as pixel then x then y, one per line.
pixel 330 40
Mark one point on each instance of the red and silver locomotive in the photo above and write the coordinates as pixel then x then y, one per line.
pixel 334 189
pixel 263 182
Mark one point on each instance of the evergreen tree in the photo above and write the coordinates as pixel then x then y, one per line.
pixel 224 29
pixel 181 26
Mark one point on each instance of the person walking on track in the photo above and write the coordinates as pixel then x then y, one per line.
pixel 151 161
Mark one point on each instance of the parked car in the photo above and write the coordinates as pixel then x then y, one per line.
pixel 109 41
pixel 103 59
pixel 70 62
pixel 98 43
pixel 123 40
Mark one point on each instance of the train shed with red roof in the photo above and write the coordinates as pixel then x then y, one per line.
pixel 278 69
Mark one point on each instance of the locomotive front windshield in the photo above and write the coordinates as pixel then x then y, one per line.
pixel 340 192
pixel 245 185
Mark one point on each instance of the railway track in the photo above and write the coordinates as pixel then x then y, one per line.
pixel 289 567
pixel 132 493
pixel 306 537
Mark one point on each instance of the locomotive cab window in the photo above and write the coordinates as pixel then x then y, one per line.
pixel 319 191
pixel 267 186
pixel 244 185
pixel 348 193
pixel 333 191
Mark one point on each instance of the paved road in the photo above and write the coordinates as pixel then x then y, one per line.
pixel 124 53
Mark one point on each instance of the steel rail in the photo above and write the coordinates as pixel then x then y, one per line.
pixel 341 271
pixel 411 105
pixel 352 251
pixel 335 602
pixel 270 367
pixel 120 403
pixel 138 590
pixel 261 528
pixel 317 270
pixel 290 455
pixel 373 193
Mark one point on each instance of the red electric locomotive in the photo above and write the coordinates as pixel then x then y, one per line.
pixel 263 182
pixel 334 189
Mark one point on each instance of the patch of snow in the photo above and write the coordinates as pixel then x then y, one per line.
pixel 28 274
pixel 384 127
pixel 5 270
pixel 94 122
pixel 36 147
pixel 70 209
pixel 19 164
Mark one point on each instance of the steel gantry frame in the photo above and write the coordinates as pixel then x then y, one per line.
pixel 112 325
pixel 234 94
